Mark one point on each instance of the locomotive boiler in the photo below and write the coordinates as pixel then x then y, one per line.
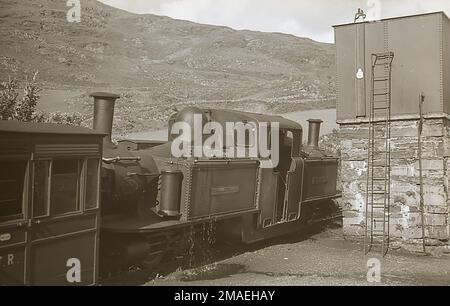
pixel 152 201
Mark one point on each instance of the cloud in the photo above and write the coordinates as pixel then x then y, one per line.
pixel 305 18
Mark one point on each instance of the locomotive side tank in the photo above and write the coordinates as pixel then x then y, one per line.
pixel 151 199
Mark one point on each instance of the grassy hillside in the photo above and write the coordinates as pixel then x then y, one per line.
pixel 158 63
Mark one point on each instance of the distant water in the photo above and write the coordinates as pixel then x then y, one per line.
pixel 327 115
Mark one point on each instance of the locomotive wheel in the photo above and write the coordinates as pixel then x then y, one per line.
pixel 152 261
pixel 157 250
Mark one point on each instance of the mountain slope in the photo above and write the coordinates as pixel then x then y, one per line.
pixel 158 62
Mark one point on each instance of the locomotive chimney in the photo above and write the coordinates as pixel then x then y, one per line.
pixel 314 133
pixel 104 113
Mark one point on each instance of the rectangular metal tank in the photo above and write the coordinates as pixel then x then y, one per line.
pixel 421 46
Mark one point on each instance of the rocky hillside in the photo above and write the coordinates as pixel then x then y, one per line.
pixel 158 63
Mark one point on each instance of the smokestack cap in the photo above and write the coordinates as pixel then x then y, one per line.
pixel 104 95
pixel 315 121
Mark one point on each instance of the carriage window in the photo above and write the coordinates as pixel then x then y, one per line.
pixel 92 181
pixel 40 188
pixel 65 186
pixel 12 174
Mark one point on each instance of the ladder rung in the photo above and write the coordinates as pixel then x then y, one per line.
pixel 381 108
pixel 381 94
pixel 378 206
pixel 379 179
pixel 386 103
pixel 377 228
pixel 379 234
pixel 381 243
pixel 379 219
pixel 381 79
pixel 384 55
pixel 385 60
pixel 378 192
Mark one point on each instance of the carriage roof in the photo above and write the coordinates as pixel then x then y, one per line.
pixel 11 126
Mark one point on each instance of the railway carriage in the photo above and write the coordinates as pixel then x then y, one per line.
pixel 49 203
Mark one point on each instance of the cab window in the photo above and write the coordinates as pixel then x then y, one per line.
pixel 12 177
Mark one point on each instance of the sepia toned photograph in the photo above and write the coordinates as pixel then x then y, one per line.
pixel 202 146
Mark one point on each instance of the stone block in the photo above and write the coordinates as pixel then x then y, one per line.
pixel 430 165
pixel 433 129
pixel 353 230
pixel 431 232
pixel 414 219
pixel 403 170
pixel 353 170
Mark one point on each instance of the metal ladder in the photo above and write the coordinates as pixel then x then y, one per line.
pixel 379 156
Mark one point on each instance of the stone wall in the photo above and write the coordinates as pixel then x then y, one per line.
pixel 405 222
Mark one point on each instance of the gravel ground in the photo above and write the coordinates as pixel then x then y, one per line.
pixel 324 258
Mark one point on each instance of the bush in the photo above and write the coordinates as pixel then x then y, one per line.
pixel 75 119
pixel 13 108
pixel 24 109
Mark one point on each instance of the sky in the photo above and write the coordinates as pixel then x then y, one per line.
pixel 304 18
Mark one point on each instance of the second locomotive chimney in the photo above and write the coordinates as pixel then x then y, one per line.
pixel 314 133
pixel 104 113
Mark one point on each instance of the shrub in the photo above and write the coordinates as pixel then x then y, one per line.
pixel 14 108
pixel 75 119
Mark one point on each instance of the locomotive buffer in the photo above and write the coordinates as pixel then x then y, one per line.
pixel 379 156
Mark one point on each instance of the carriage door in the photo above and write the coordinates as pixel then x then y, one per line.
pixel 13 186
pixel 62 229
pixel 294 179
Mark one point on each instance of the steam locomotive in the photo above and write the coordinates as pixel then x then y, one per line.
pixel 72 202
pixel 151 200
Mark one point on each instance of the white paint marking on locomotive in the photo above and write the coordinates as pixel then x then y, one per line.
pixel 10 259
